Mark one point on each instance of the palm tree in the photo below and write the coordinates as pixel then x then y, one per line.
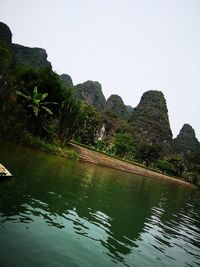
pixel 36 102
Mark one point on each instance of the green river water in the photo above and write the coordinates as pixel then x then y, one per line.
pixel 57 212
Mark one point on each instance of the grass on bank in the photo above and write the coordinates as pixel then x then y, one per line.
pixel 36 142
pixel 116 157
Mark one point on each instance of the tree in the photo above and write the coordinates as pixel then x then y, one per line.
pixel 36 111
pixel 69 120
pixel 166 167
pixel 36 102
pixel 123 144
pixel 148 153
pixel 178 163
pixel 46 81
pixel 91 121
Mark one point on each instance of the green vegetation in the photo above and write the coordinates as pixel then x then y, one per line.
pixel 124 145
pixel 42 109
pixel 173 165
pixel 36 102
pixel 36 142
pixel 88 126
pixel 149 153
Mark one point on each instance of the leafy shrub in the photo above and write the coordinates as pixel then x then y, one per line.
pixel 165 167
pixel 192 177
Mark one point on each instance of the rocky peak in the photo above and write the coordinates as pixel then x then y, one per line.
pixel 66 80
pixel 90 92
pixel 28 56
pixel 115 106
pixel 5 33
pixel 186 142
pixel 187 132
pixel 149 120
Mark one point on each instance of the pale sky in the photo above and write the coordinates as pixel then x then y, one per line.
pixel 129 46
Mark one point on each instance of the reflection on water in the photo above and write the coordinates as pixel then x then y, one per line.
pixel 56 212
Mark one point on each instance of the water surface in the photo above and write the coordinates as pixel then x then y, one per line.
pixel 56 212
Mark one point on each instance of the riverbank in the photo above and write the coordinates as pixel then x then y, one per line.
pixel 92 156
pixel 39 144
pixel 75 151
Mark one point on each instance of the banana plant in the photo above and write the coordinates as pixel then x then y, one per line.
pixel 36 102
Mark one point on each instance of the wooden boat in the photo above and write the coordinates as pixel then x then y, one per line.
pixel 4 173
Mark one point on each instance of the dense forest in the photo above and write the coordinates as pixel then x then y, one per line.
pixel 40 108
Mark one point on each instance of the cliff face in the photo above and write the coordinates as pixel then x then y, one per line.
pixel 186 142
pixel 149 120
pixel 34 57
pixel 91 93
pixel 66 80
pixel 115 116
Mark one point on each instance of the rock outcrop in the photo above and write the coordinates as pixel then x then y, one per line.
pixel 91 93
pixel 186 143
pixel 34 57
pixel 5 33
pixel 66 80
pixel 115 106
pixel 149 120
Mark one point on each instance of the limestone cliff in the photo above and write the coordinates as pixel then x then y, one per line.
pixel 115 106
pixel 90 92
pixel 149 120
pixel 66 80
pixel 186 143
pixel 34 57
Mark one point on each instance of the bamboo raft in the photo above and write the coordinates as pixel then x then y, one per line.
pixel 4 172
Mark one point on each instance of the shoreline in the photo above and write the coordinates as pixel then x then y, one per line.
pixel 101 159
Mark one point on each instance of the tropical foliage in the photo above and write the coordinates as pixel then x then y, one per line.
pixel 124 145
pixel 89 125
pixel 36 103
pixel 148 153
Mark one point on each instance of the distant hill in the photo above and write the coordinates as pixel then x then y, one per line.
pixel 186 143
pixel 90 92
pixel 115 106
pixel 149 120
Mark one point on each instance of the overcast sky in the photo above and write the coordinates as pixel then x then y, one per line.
pixel 129 46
